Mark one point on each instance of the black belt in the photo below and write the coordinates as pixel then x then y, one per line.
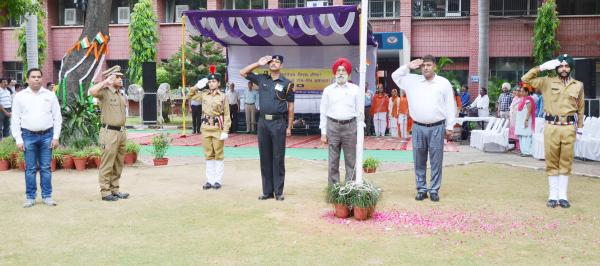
pixel 272 117
pixel 561 120
pixel 117 128
pixel 248 104
pixel 430 125
pixel 41 132
pixel 342 122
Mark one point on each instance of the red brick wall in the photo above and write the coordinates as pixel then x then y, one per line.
pixel 386 25
pixel 272 4
pixel 8 48
pixel 440 38
pixel 473 46
pixel 170 40
pixel 580 36
pixel 511 38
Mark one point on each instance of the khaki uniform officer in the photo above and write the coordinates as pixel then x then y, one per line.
pixel 112 132
pixel 563 112
pixel 215 123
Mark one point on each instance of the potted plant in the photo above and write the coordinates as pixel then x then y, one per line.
pixel 131 151
pixel 339 195
pixel 80 158
pixel 370 165
pixel 57 158
pixel 160 145
pixel 5 156
pixel 95 155
pixel 67 157
pixel 364 199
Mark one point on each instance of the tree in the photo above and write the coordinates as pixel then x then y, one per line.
pixel 18 8
pixel 545 44
pixel 84 57
pixel 484 30
pixel 200 53
pixel 143 37
pixel 22 50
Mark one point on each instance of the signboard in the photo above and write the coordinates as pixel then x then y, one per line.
pixel 474 79
pixel 309 81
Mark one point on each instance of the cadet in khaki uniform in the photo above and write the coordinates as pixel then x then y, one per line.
pixel 112 132
pixel 563 112
pixel 215 123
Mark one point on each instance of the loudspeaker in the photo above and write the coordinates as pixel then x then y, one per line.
pixel 585 71
pixel 149 85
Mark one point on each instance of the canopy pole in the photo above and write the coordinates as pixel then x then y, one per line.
pixel 183 92
pixel 362 70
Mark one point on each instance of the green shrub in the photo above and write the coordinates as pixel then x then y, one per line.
pixel 132 147
pixel 371 162
pixel 160 145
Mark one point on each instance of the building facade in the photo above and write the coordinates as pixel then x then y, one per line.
pixel 447 28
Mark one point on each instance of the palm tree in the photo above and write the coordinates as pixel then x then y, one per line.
pixel 483 56
pixel 31 33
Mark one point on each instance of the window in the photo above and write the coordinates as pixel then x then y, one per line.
pixel 124 67
pixel 441 8
pixel 69 14
pixel 380 8
pixel 513 7
pixel 173 8
pixel 510 69
pixel 245 4
pixel 13 70
pixel 351 2
pixel 578 7
pixel 14 22
pixel 121 11
pixel 297 3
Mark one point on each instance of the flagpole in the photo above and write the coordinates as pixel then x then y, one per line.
pixel 183 94
pixel 362 70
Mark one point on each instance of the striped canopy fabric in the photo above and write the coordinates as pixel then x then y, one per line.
pixel 317 26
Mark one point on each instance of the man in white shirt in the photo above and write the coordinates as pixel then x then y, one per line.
pixel 432 107
pixel 342 109
pixel 5 108
pixel 234 106
pixel 36 128
pixel 482 103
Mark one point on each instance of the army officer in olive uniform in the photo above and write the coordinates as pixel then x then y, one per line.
pixel 215 123
pixel 563 112
pixel 276 97
pixel 112 132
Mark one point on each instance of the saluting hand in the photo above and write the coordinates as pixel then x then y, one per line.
pixel 264 60
pixel 111 79
pixel 414 64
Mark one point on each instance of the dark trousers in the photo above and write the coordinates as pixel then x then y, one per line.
pixel 196 117
pixel 428 141
pixel 4 124
pixel 271 148
pixel 368 120
pixel 233 113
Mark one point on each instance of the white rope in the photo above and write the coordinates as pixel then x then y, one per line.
pixel 276 29
pixel 305 28
pixel 341 30
pixel 244 28
pixel 88 72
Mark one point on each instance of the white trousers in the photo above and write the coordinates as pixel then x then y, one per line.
pixel 394 126
pixel 380 123
pixel 214 171
pixel 558 185
pixel 403 122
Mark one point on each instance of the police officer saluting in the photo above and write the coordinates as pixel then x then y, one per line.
pixel 563 112
pixel 112 132
pixel 276 97
pixel 215 125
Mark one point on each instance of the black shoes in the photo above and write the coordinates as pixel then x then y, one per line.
pixel 564 203
pixel 207 186
pixel 265 197
pixel 279 197
pixel 421 196
pixel 216 185
pixel 121 195
pixel 110 198
pixel 552 203
pixel 434 197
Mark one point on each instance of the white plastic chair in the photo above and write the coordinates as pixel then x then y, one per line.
pixel 591 143
pixel 496 140
pixel 476 140
pixel 537 145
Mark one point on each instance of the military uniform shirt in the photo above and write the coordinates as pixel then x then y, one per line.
pixel 215 105
pixel 273 95
pixel 113 106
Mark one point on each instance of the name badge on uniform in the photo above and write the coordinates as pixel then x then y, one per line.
pixel 278 87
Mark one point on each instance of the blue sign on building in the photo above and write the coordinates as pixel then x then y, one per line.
pixel 389 40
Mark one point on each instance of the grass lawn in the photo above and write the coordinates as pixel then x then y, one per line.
pixel 488 214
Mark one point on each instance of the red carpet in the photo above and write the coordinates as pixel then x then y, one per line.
pixel 314 141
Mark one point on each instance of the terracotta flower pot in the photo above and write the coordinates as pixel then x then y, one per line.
pixel 135 157
pixel 161 161
pixel 91 163
pixel 369 170
pixel 22 166
pixel 341 211
pixel 53 165
pixel 80 163
pixel 361 214
pixel 97 161
pixel 4 165
pixel 67 162
pixel 129 158
pixel 371 211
